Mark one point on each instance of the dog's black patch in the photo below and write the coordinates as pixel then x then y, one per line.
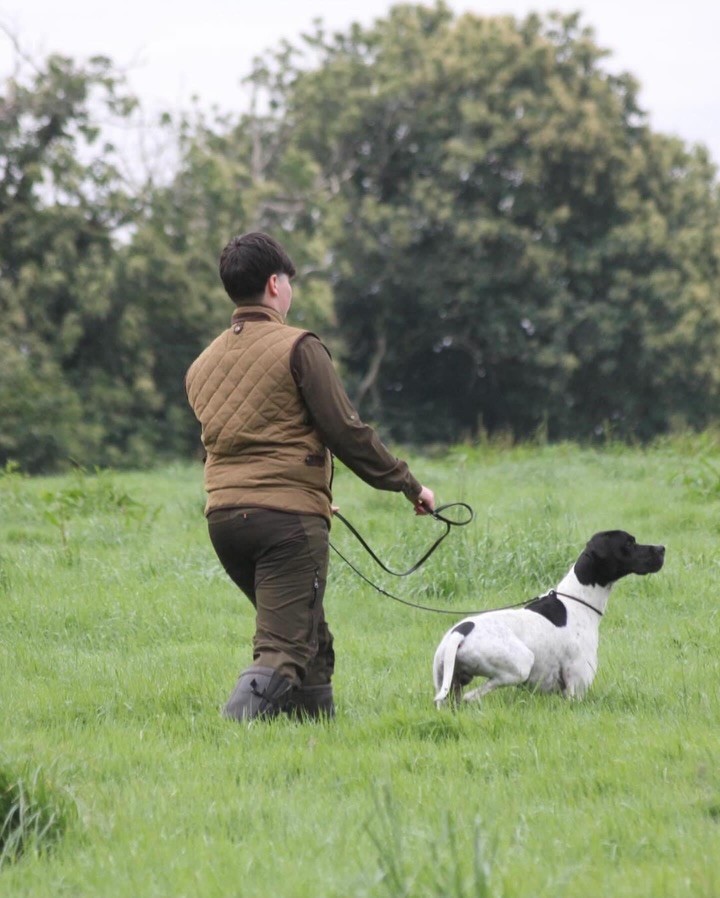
pixel 550 607
pixel 467 626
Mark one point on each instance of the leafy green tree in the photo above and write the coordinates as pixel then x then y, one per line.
pixel 109 292
pixel 61 201
pixel 513 248
pixel 479 207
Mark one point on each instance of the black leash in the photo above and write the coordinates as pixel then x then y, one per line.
pixel 437 514
pixel 566 595
pixel 449 523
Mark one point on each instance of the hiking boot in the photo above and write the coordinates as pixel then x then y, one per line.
pixel 311 701
pixel 259 692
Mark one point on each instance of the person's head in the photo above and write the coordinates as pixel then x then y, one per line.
pixel 248 262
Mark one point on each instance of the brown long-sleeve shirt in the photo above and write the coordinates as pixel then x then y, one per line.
pixel 339 425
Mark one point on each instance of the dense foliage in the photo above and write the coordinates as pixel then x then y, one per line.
pixel 485 227
pixel 61 203
pixel 518 248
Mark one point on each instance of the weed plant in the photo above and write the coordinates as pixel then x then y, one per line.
pixel 121 638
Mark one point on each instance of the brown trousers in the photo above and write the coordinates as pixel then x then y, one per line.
pixel 279 560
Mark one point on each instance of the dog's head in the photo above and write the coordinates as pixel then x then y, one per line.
pixel 613 554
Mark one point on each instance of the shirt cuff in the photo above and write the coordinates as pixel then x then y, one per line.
pixel 412 489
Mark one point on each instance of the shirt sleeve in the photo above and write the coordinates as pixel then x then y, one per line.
pixel 356 444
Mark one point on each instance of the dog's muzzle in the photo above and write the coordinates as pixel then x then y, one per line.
pixel 652 559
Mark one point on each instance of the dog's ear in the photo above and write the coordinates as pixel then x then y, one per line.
pixel 586 567
pixel 595 568
pixel 600 563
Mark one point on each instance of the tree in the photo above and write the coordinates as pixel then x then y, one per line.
pixel 61 201
pixel 483 222
pixel 109 291
pixel 513 247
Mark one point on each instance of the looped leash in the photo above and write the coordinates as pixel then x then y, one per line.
pixel 437 514
pixel 449 523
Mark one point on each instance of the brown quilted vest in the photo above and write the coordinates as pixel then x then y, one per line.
pixel 261 447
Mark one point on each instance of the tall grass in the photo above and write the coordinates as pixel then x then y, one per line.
pixel 120 639
pixel 32 815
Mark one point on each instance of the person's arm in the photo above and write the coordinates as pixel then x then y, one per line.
pixel 339 425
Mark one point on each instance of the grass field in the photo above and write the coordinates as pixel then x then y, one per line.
pixel 120 639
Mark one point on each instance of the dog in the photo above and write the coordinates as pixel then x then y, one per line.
pixel 551 643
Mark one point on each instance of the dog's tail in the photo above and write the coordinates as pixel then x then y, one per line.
pixel 444 664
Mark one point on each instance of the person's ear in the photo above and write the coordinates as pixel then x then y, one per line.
pixel 272 285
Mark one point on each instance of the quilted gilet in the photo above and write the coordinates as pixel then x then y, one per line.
pixel 262 449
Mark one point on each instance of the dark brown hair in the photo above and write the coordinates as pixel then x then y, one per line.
pixel 248 261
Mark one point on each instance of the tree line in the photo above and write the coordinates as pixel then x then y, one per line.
pixel 487 231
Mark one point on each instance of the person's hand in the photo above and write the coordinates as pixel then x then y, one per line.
pixel 425 502
pixel 334 508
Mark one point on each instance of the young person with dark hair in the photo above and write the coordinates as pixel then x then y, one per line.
pixel 273 413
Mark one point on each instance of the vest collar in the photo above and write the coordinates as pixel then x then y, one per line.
pixel 256 313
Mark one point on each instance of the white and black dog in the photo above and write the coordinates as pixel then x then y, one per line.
pixel 551 643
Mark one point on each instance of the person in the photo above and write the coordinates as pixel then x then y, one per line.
pixel 273 412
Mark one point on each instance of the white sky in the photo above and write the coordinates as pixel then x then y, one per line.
pixel 171 51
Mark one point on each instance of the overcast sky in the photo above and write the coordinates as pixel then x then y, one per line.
pixel 172 51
